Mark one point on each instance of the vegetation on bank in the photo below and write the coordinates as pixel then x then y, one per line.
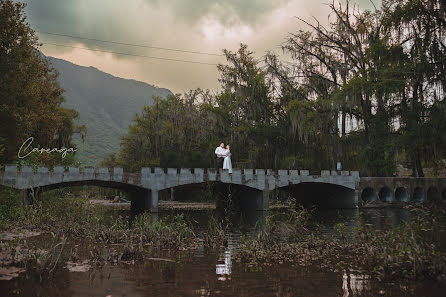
pixel 76 217
pixel 82 232
pixel 410 251
pixel 76 231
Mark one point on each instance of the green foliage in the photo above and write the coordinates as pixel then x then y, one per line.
pixel 106 104
pixel 75 217
pixel 30 95
pixel 408 252
pixel 45 262
pixel 379 152
pixel 10 206
pixel 172 133
pixel 360 91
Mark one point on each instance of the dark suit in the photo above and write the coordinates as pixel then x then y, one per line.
pixel 220 162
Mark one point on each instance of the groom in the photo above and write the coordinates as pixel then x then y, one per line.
pixel 220 152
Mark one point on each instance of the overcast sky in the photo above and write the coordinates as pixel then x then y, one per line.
pixel 205 26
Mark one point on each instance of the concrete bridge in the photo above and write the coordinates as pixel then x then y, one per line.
pixel 252 186
pixel 333 189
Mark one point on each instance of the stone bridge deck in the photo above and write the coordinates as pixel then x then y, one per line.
pixel 149 181
pixel 341 189
pixel 159 179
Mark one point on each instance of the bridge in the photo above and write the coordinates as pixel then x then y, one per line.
pixel 333 189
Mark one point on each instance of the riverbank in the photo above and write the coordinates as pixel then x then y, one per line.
pixel 411 251
pixel 62 235
pixel 57 233
pixel 165 204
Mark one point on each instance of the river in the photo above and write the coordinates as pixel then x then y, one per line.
pixel 214 273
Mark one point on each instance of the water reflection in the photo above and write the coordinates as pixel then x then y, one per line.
pixel 252 222
pixel 210 273
pixel 224 269
pixel 385 218
pixel 354 284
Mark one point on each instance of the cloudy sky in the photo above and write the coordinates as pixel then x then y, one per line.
pixel 184 26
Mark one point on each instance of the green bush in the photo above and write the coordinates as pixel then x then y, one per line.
pixel 10 206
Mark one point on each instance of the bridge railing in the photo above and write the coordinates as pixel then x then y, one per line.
pixel 159 178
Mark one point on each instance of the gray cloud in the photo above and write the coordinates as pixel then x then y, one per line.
pixel 228 12
pixel 198 25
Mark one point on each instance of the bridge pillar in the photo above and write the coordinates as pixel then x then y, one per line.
pixel 263 200
pixel 153 201
pixel 255 200
pixel 356 198
pixel 144 200
pixel 25 197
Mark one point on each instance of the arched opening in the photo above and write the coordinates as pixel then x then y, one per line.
pixel 110 190
pixel 99 183
pixel 418 195
pixel 401 194
pixel 385 195
pixel 222 195
pixel 368 195
pixel 196 192
pixel 139 197
pixel 433 194
pixel 322 195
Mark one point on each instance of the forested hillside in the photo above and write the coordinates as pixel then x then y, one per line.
pixel 106 106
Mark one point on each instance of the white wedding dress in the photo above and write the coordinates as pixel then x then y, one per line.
pixel 227 164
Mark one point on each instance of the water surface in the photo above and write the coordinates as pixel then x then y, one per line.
pixel 205 272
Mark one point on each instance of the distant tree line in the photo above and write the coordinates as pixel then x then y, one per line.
pixel 367 90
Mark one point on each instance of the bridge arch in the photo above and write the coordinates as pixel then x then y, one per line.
pixel 246 197
pixel 402 194
pixel 324 195
pixel 418 195
pixel 368 195
pixel 137 194
pixel 385 194
pixel 433 194
pixel 92 182
pixel 203 184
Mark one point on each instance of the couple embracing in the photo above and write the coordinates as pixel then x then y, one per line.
pixel 224 157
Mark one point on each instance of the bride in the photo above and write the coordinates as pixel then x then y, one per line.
pixel 227 164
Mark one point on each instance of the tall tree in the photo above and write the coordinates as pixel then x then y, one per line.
pixel 419 26
pixel 30 95
pixel 246 110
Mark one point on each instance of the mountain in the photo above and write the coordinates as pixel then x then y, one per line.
pixel 106 104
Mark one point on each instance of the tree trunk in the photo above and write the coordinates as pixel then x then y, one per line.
pixel 418 164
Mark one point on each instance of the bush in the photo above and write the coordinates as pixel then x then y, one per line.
pixel 10 206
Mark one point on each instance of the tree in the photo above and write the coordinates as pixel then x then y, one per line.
pixel 419 27
pixel 30 95
pixel 174 132
pixel 345 70
pixel 246 111
pixel 367 90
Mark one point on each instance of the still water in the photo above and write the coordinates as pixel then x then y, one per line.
pixel 214 273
